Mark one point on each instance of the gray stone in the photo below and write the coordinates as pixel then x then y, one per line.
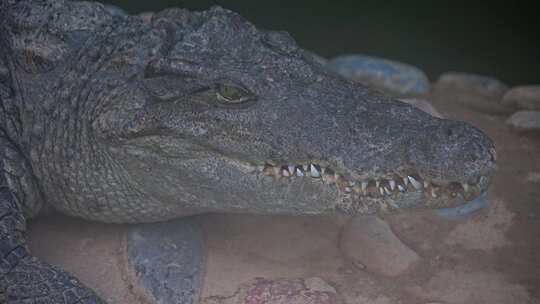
pixel 523 97
pixel 525 121
pixel 474 83
pixel 166 260
pixel 478 92
pixel 370 241
pixel 386 75
pixel 423 105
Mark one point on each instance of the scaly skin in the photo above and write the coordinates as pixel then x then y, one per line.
pixel 113 118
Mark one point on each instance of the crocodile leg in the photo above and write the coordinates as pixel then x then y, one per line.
pixel 23 277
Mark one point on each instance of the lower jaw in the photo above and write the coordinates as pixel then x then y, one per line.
pixel 383 194
pixel 464 210
pixel 350 203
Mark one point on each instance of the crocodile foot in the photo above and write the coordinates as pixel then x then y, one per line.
pixel 24 278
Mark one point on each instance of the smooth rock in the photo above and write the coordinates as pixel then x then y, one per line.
pixel 523 97
pixel 478 92
pixel 525 121
pixel 423 105
pixel 382 74
pixel 165 260
pixel 370 240
pixel 474 83
pixel 281 291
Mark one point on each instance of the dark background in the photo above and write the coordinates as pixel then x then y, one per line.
pixel 497 39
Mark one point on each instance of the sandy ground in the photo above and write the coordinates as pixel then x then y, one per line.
pixel 491 257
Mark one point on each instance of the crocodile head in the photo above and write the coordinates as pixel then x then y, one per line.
pixel 203 111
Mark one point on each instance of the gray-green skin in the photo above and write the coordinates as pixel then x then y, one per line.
pixel 113 118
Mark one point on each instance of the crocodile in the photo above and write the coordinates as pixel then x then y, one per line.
pixel 117 118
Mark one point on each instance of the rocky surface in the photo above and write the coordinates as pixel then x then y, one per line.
pixel 423 105
pixel 281 291
pixel 523 97
pixel 370 241
pixel 389 76
pixel 525 121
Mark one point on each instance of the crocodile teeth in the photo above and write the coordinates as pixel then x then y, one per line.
pixel 392 184
pixel 299 171
pixel 291 169
pixel 416 184
pixel 314 171
pixel 364 186
pixel 386 185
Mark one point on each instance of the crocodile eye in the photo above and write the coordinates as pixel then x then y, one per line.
pixel 228 94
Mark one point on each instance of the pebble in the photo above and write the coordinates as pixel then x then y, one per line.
pixel 370 241
pixel 389 76
pixel 477 92
pixel 525 97
pixel 423 105
pixel 525 121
